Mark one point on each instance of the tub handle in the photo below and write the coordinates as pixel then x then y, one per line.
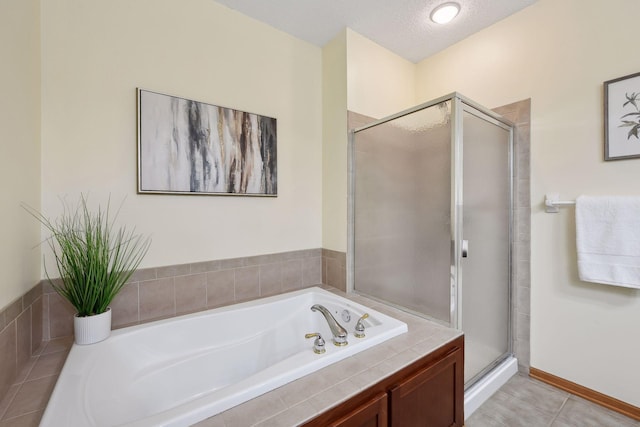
pixel 318 344
pixel 359 332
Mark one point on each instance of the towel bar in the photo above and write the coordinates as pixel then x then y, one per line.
pixel 553 203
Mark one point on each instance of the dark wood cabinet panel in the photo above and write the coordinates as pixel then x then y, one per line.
pixel 427 393
pixel 370 414
pixel 429 396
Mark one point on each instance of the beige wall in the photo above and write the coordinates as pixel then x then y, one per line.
pixel 380 83
pixel 334 144
pixel 559 53
pixel 363 77
pixel 19 146
pixel 94 56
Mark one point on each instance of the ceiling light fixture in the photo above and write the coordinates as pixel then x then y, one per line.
pixel 445 13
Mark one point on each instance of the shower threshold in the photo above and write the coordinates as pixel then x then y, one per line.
pixel 486 386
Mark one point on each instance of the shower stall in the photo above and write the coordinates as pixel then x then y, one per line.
pixel 430 207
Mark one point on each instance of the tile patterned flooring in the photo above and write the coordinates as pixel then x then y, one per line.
pixel 526 402
pixel 521 402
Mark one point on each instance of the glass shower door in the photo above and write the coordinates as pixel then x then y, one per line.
pixel 486 219
pixel 402 198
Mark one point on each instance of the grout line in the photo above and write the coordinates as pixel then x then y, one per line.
pixel 3 413
pixel 566 399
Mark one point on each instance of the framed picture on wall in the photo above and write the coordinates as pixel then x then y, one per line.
pixel 190 147
pixel 622 118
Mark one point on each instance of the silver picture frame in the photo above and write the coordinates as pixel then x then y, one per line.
pixel 189 147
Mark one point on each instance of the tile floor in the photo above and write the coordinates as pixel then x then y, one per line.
pixel 530 403
pixel 521 402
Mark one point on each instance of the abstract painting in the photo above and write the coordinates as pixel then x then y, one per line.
pixel 189 147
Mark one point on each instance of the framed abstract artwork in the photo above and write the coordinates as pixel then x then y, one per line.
pixel 622 118
pixel 190 147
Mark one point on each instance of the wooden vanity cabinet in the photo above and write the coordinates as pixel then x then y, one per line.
pixel 429 392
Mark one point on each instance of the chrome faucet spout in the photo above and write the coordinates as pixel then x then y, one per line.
pixel 339 333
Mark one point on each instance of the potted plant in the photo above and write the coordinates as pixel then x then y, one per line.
pixel 94 261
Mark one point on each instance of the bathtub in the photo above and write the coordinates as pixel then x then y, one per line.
pixel 178 371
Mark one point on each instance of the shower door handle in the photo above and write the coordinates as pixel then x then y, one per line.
pixel 465 248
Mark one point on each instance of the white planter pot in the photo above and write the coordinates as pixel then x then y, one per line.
pixel 92 329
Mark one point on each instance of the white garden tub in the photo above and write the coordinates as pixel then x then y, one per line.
pixel 178 371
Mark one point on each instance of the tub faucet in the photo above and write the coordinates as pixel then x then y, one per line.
pixel 339 333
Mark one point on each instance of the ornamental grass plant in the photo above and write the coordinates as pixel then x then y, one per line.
pixel 93 258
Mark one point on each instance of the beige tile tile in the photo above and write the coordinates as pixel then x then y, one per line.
pixel 33 294
pixel 522 326
pixel 516 413
pixel 157 299
pixel 143 274
pixel 60 316
pixel 292 416
pixel 32 396
pixel 7 399
pixel 29 420
pixel 46 327
pixel 247 283
pixel 3 322
pixel 579 412
pixel 270 279
pixel 36 324
pixel 8 367
pixel 23 371
pixel 204 267
pixel 220 288
pixel 324 271
pixel 334 272
pixel 23 336
pixel 191 293
pixel 232 263
pixel 482 419
pixel 125 306
pixel 173 270
pixel 333 395
pixel 541 396
pixel 47 288
pixel 311 271
pixel 254 411
pixel 292 275
pixel 47 365
pixel 58 344
pixel 13 310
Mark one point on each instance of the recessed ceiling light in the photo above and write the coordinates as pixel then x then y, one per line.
pixel 445 13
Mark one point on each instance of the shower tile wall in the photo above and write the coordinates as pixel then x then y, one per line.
pixel 520 114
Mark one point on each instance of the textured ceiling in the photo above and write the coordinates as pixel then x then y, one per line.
pixel 402 26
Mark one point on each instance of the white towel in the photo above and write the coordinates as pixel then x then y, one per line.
pixel 608 240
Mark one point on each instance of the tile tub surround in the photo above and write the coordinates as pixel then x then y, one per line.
pixel 24 403
pixel 303 399
pixel 289 405
pixel 161 292
pixel 334 269
pixel 20 335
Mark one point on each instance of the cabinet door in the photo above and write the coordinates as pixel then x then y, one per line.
pixel 433 396
pixel 372 413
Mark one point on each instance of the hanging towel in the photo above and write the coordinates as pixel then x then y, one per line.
pixel 608 240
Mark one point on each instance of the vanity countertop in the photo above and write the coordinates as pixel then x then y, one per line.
pixel 299 401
